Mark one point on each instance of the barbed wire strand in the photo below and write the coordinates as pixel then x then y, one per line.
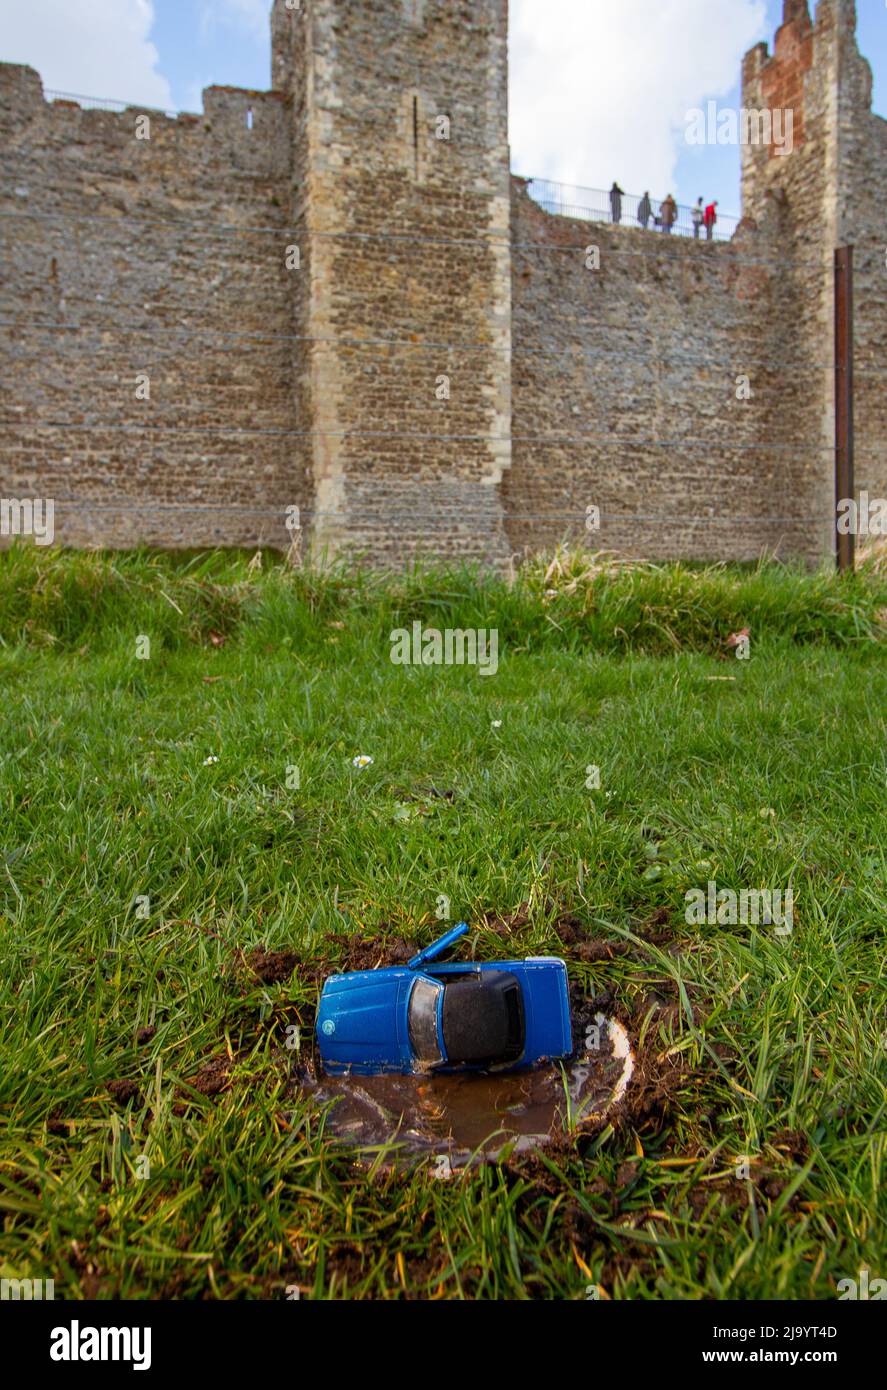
pixel 411 344
pixel 582 437
pixel 484 240
pixel 411 515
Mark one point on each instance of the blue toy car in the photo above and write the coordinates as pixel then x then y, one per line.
pixel 467 1016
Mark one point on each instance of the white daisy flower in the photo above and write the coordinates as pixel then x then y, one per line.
pixel 362 760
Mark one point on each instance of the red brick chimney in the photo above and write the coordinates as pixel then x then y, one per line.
pixel 793 10
pixel 782 75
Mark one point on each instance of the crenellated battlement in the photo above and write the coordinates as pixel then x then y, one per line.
pixel 346 310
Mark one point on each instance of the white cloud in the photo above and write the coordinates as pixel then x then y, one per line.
pixel 600 89
pixel 91 47
pixel 249 17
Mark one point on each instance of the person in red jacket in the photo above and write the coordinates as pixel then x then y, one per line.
pixel 710 219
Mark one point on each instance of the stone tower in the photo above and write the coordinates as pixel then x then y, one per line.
pixel 827 191
pixel 400 206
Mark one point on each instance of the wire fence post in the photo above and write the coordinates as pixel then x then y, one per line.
pixel 845 540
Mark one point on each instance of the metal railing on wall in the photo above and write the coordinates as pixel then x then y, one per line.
pixel 594 205
pixel 108 104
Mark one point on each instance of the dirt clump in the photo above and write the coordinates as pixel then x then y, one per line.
pixel 271 967
pixel 123 1091
pixel 213 1077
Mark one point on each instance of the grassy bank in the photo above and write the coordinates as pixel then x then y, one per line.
pixel 170 899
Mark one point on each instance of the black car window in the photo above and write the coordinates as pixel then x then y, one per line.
pixel 483 1018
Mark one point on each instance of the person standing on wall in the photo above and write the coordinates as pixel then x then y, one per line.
pixel 668 213
pixel 711 217
pixel 697 213
pixel 645 210
pixel 616 194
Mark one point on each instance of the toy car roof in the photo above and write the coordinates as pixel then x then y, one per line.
pixel 483 1018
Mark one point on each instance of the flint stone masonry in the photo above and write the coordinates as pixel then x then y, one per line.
pixel 635 367
pixel 328 312
pixel 830 192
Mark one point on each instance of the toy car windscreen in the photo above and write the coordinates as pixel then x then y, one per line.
pixel 422 1015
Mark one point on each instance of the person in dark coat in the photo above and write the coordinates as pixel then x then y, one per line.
pixel 668 213
pixel 616 196
pixel 645 210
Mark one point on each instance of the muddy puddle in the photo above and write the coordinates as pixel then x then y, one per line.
pixel 469 1118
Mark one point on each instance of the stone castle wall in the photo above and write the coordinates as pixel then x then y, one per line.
pixel 862 224
pixel 624 390
pixel 407 219
pixel 165 257
pixel 436 370
pixel 830 192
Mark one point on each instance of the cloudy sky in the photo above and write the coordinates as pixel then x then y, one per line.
pixel 599 88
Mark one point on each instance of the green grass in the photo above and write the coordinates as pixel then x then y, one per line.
pixel 749 1044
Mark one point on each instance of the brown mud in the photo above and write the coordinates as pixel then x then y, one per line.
pixel 466 1118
